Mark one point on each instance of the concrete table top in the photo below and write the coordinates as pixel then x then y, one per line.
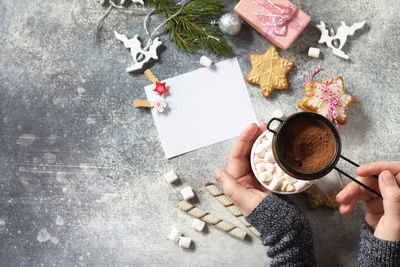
pixel 81 169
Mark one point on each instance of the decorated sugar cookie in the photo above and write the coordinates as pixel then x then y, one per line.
pixel 327 98
pixel 269 71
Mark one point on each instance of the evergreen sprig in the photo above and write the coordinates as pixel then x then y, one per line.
pixel 191 29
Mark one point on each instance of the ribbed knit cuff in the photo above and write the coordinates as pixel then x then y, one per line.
pixel 377 252
pixel 273 214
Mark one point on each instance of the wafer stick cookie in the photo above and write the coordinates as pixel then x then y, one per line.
pixel 212 219
pixel 228 204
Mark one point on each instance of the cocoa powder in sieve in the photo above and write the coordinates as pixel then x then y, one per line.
pixel 308 146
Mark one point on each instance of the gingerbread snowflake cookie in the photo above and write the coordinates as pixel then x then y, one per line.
pixel 269 71
pixel 327 98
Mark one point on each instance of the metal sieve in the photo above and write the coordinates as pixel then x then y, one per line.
pixel 297 118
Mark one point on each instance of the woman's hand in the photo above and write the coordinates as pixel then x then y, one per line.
pixel 381 215
pixel 238 181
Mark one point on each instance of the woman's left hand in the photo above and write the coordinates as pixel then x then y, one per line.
pixel 238 181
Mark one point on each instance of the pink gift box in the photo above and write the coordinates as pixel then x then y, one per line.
pixel 278 20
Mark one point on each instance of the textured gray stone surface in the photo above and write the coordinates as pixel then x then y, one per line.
pixel 77 160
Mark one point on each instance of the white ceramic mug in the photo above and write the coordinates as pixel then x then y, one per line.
pixel 325 184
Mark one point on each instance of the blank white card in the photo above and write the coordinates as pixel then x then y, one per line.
pixel 204 107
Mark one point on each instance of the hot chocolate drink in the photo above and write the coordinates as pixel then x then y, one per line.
pixel 307 146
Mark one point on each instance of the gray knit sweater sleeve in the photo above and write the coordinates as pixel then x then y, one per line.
pixel 285 230
pixel 376 252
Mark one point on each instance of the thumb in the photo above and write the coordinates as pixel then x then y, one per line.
pixel 391 195
pixel 242 197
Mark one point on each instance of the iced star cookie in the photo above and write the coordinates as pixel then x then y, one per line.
pixel 318 101
pixel 269 71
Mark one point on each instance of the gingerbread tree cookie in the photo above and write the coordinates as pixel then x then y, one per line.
pixel 334 98
pixel 269 71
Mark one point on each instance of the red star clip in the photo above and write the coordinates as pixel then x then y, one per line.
pixel 160 88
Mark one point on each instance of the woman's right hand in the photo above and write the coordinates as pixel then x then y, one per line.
pixel 382 215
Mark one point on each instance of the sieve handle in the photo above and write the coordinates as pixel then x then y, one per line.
pixel 355 164
pixel 354 179
pixel 270 121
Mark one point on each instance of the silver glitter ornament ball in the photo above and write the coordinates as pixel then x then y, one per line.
pixel 230 23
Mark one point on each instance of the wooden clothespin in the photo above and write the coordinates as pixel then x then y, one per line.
pixel 160 87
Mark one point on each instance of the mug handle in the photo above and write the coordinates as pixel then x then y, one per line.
pixel 270 121
pixel 329 182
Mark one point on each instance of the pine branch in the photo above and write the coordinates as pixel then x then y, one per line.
pixel 191 28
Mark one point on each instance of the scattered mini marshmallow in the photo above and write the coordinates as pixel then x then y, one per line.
pixel 198 224
pixel 171 177
pixel 269 156
pixel 187 193
pixel 277 114
pixel 184 242
pixel 266 176
pixel 313 52
pixel 175 235
pixel 270 167
pixel 275 183
pixel 206 62
pixel 289 179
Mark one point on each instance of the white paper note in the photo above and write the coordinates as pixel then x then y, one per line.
pixel 204 107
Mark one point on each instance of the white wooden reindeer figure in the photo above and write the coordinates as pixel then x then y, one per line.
pixel 139 55
pixel 341 35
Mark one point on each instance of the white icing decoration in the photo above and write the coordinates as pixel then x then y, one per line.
pixel 323 107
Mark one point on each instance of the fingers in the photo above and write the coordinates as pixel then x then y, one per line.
pixel 375 168
pixel 354 192
pixel 242 146
pixel 238 163
pixel 391 194
pixel 245 200
pixel 347 208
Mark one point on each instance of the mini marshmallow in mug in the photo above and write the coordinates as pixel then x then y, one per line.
pixel 267 144
pixel 261 167
pixel 300 185
pixel 270 135
pixel 257 159
pixel 289 179
pixel 269 157
pixel 260 151
pixel 270 167
pixel 275 183
pixel 266 176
